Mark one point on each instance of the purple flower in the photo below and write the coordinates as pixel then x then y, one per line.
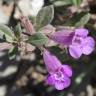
pixel 78 41
pixel 59 75
pixel 81 43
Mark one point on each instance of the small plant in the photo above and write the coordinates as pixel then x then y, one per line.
pixel 72 38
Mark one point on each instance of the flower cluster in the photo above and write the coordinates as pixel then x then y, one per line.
pixel 78 42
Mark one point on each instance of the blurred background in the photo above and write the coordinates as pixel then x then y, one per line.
pixel 24 76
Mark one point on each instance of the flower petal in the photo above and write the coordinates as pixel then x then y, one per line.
pixel 51 61
pixel 67 82
pixel 75 51
pixel 81 32
pixel 62 37
pixel 60 85
pixel 88 47
pixel 50 80
pixel 67 70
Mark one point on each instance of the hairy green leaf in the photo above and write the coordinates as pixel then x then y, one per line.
pixel 61 2
pixel 7 32
pixel 44 17
pixel 38 39
pixel 12 52
pixel 77 2
pixel 78 20
pixel 83 20
pixel 18 30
